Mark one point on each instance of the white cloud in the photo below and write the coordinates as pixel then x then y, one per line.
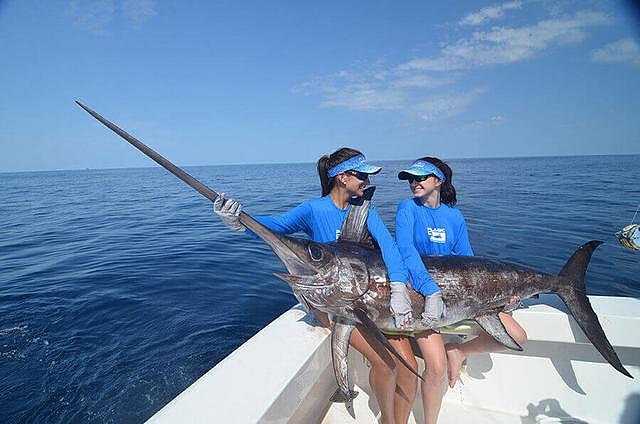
pixel 380 89
pixel 506 45
pixel 97 16
pixel 364 97
pixel 92 16
pixel 625 50
pixel 420 81
pixel 446 106
pixel 492 121
pixel 415 87
pixel 138 11
pixel 495 11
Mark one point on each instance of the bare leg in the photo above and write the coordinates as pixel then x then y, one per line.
pixel 457 353
pixel 435 358
pixel 382 376
pixel 407 382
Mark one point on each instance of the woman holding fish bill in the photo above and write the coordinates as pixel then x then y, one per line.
pixel 344 175
pixel 429 224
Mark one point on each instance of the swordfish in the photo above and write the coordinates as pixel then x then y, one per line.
pixel 348 280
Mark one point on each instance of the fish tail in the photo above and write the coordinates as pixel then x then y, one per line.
pixel 343 397
pixel 573 292
pixel 347 398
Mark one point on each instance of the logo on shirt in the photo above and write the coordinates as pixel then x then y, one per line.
pixel 338 232
pixel 437 235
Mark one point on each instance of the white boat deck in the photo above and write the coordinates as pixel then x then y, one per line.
pixel 283 375
pixel 451 413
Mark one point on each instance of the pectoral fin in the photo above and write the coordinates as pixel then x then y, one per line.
pixel 494 327
pixel 339 355
pixel 373 329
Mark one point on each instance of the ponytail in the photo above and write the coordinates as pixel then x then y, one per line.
pixel 329 161
pixel 447 190
pixel 326 183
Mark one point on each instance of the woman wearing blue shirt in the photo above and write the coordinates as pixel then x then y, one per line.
pixel 344 175
pixel 429 224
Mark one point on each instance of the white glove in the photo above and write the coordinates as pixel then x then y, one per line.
pixel 435 310
pixel 229 212
pixel 401 306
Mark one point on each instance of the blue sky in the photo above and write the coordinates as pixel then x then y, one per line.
pixel 261 82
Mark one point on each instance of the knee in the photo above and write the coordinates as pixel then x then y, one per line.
pixel 384 367
pixel 411 360
pixel 404 373
pixel 436 368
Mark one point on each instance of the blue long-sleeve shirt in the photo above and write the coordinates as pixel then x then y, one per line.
pixel 421 230
pixel 322 220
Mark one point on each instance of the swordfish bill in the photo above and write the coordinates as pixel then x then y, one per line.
pixel 288 249
pixel 284 247
pixel 245 218
pixel 197 185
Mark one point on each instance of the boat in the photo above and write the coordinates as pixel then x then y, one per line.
pixel 283 374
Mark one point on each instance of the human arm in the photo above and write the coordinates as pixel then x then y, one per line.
pixel 290 222
pixel 297 219
pixel 462 245
pixel 421 280
pixel 400 302
pixel 390 254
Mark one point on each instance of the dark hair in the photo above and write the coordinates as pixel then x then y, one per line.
pixel 447 190
pixel 329 161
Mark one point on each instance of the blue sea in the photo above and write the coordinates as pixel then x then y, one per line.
pixel 119 288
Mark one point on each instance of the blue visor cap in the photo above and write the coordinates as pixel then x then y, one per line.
pixel 356 163
pixel 421 168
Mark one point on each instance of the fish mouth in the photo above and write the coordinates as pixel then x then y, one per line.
pixel 291 251
pixel 303 282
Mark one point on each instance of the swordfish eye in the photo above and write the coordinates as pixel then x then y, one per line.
pixel 315 252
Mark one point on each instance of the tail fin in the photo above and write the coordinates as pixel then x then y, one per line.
pixel 574 295
pixel 347 398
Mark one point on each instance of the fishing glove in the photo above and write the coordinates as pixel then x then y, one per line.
pixel 229 212
pixel 401 306
pixel 434 310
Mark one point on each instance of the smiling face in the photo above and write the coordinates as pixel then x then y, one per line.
pixel 426 188
pixel 354 182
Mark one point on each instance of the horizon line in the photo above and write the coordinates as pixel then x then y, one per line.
pixel 313 162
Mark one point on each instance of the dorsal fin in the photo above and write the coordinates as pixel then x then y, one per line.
pixel 354 227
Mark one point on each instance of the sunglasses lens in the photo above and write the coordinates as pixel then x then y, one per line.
pixel 359 175
pixel 418 178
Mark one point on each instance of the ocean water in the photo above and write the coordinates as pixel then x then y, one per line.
pixel 119 288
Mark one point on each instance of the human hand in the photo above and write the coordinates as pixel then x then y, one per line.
pixel 229 212
pixel 435 310
pixel 400 305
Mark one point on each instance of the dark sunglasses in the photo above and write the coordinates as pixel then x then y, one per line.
pixel 359 175
pixel 419 178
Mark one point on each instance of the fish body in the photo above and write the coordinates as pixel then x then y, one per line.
pixel 471 285
pixel 351 284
